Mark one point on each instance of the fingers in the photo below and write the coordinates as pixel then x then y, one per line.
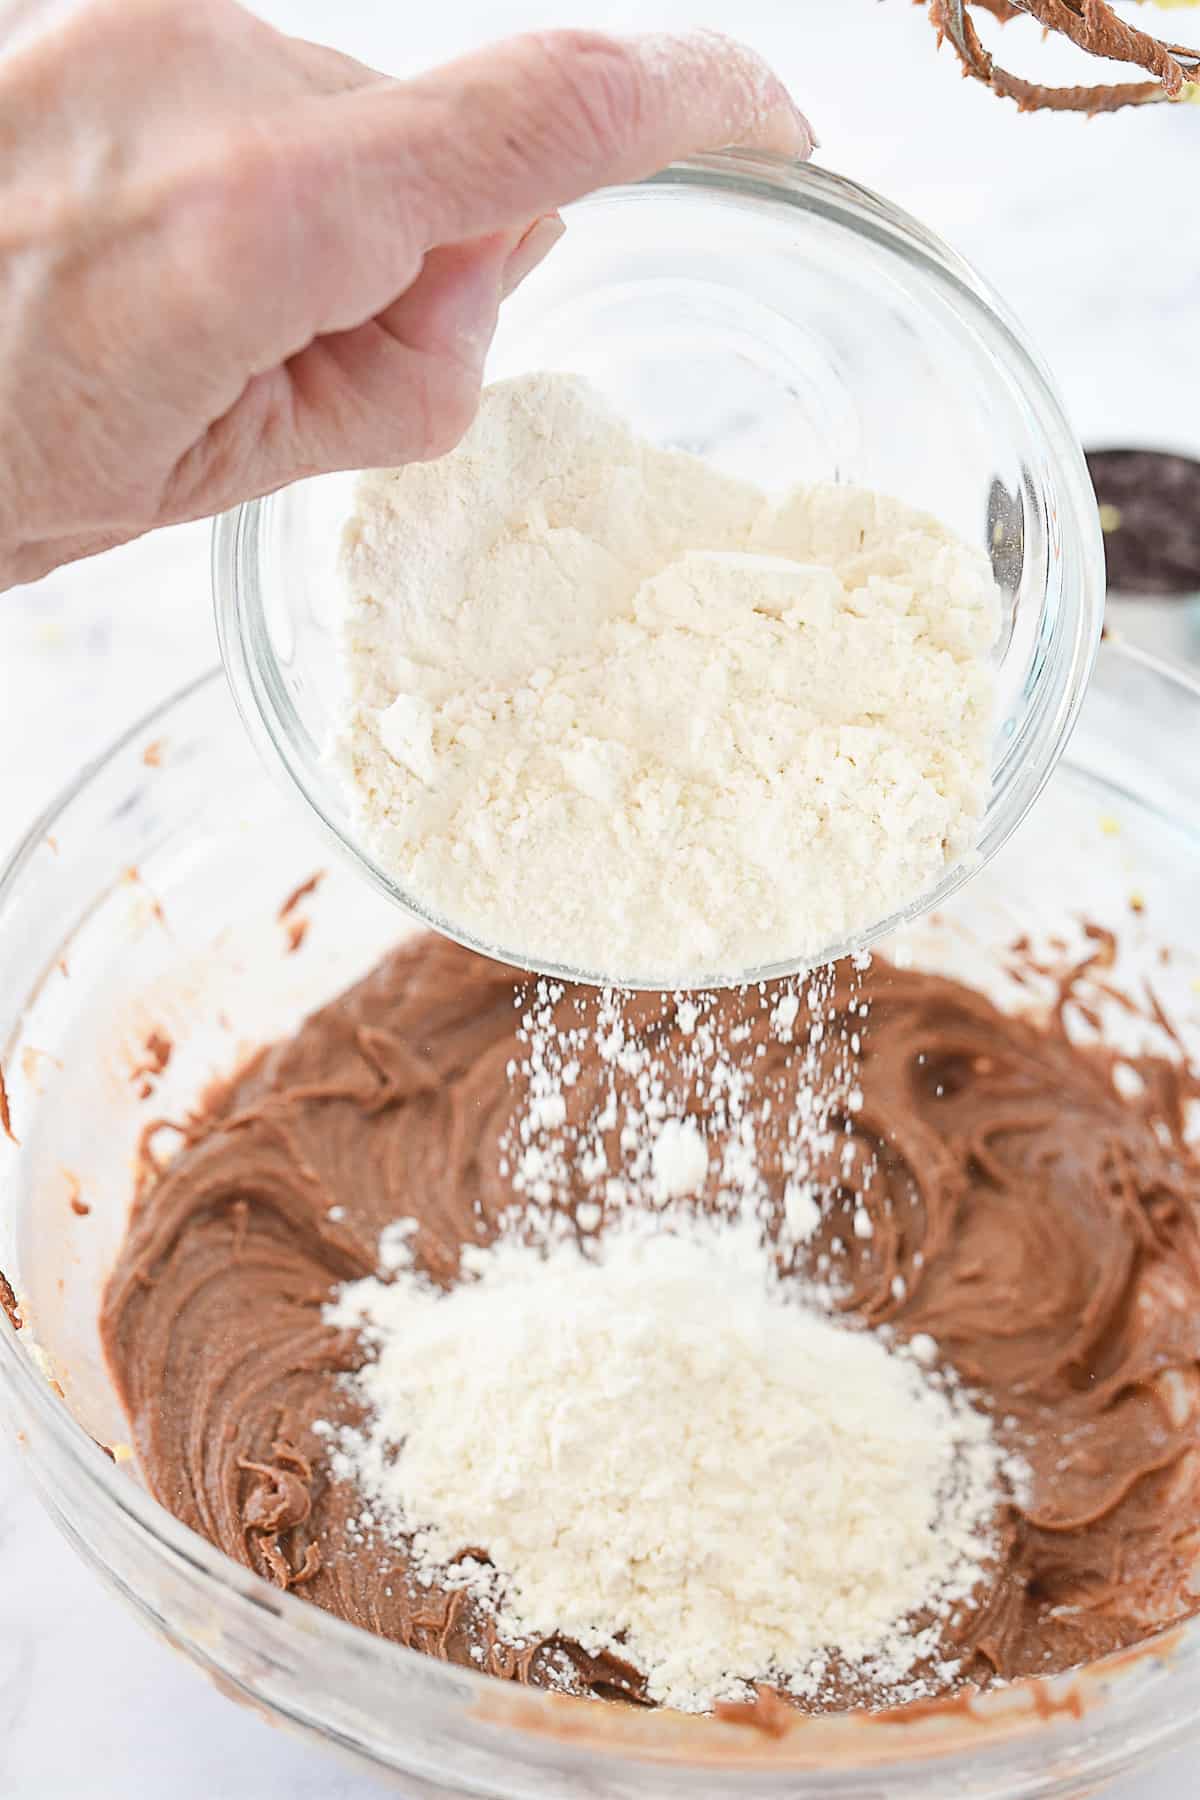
pixel 330 212
pixel 363 221
pixel 352 188
pixel 405 386
pixel 523 127
pixel 400 388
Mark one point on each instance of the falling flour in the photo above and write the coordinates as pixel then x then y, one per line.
pixel 629 1422
pixel 610 710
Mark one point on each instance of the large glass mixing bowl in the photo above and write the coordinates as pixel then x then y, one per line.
pixel 790 327
pixel 148 902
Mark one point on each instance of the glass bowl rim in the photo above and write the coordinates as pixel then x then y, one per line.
pixel 265 706
pixel 30 1386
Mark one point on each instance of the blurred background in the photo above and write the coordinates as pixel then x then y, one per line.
pixel 1088 229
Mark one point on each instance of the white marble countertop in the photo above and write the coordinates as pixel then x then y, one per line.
pixel 1083 227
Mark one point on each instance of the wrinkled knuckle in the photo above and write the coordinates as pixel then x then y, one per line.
pixel 597 82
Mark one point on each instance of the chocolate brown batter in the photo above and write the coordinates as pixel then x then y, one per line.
pixel 1047 1233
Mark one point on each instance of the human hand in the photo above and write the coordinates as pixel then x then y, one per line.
pixel 229 258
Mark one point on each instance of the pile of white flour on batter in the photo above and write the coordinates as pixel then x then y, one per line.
pixel 631 1422
pixel 608 709
pixel 669 1456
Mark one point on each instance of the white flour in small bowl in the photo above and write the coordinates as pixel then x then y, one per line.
pixel 609 710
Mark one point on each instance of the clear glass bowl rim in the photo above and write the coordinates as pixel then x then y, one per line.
pixel 270 717
pixel 1096 1742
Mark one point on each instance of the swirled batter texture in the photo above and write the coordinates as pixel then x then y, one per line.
pixel 1041 1227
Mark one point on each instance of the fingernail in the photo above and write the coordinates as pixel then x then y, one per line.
pixel 758 96
pixel 814 142
pixel 533 248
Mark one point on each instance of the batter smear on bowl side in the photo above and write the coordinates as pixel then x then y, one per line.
pixel 987 1235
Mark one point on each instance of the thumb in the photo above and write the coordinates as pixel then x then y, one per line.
pixel 402 387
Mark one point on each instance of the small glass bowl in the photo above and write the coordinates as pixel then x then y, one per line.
pixel 148 899
pixel 789 327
